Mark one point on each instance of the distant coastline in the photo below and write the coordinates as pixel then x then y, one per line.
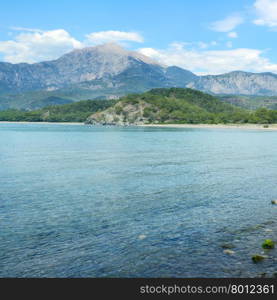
pixel 216 126
pixel 26 122
pixel 207 126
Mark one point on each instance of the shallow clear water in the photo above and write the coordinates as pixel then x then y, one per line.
pixel 81 201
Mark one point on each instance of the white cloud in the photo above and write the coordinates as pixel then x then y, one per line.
pixel 33 46
pixel 208 45
pixel 227 24
pixel 203 45
pixel 15 28
pixel 232 34
pixel 229 44
pixel 211 62
pixel 113 36
pixel 267 12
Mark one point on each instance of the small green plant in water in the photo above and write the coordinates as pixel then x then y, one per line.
pixel 268 244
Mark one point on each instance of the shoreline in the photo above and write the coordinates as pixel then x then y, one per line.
pixel 44 123
pixel 271 127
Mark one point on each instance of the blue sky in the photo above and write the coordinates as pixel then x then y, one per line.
pixel 203 36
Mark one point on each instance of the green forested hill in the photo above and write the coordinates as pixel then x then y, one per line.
pixel 73 112
pixel 251 102
pixel 177 105
pixel 173 105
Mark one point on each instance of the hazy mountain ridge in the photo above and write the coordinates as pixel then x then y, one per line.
pixel 78 66
pixel 109 71
pixel 238 82
pixel 104 71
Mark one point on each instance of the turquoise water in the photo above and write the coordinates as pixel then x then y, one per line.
pixel 83 201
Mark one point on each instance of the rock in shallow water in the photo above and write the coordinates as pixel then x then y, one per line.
pixel 227 246
pixel 229 252
pixel 258 258
pixel 142 237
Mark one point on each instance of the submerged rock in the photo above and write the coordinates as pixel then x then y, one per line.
pixel 229 252
pixel 228 246
pixel 142 237
pixel 258 258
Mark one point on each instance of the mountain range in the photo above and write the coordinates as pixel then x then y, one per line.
pixel 109 71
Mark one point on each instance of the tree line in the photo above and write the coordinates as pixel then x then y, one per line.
pixel 173 105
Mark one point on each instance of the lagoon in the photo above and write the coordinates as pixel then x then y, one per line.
pixel 88 201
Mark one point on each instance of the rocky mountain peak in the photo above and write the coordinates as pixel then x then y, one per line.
pixel 101 61
pixel 103 48
pixel 109 50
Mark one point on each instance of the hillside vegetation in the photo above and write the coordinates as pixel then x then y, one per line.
pixel 73 112
pixel 251 102
pixel 159 106
pixel 177 105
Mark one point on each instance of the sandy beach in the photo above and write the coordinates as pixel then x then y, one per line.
pixel 271 127
pixel 217 126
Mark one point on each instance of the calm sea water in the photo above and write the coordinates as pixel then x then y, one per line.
pixel 83 201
